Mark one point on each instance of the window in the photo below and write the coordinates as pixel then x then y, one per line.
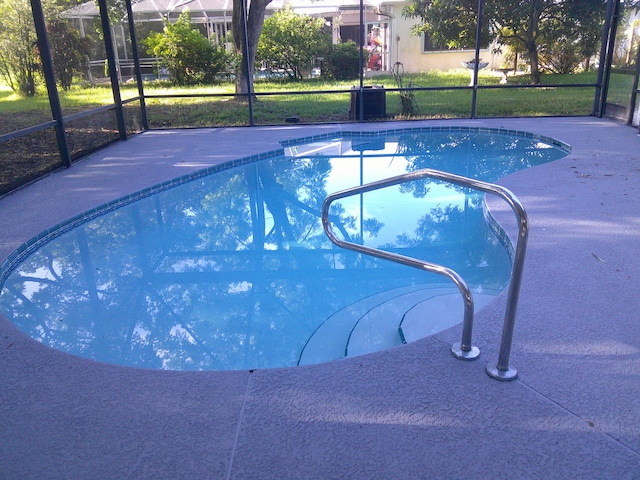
pixel 350 32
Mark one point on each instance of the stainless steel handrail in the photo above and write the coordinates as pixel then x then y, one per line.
pixel 464 349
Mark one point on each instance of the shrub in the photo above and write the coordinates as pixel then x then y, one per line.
pixel 559 56
pixel 343 61
pixel 290 41
pixel 186 53
pixel 68 50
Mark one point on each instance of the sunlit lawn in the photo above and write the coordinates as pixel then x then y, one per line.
pixel 312 107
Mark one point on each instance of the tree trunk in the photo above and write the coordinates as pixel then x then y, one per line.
pixel 532 50
pixel 531 35
pixel 255 20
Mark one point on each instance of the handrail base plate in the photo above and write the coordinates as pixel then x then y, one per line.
pixel 502 375
pixel 456 351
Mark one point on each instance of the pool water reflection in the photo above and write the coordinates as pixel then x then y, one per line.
pixel 233 270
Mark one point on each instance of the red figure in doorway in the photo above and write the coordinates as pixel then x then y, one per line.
pixel 375 49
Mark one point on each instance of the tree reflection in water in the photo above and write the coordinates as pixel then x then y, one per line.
pixel 233 270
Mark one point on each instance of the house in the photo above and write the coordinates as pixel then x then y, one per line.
pixel 398 44
pixel 395 42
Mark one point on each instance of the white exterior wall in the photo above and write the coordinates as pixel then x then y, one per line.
pixel 407 49
pixel 399 44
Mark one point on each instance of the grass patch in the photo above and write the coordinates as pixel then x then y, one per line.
pixel 620 88
pixel 312 107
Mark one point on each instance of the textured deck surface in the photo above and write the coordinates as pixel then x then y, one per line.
pixel 411 412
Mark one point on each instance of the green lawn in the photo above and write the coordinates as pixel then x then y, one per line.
pixel 312 107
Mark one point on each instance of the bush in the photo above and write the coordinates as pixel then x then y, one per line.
pixel 68 50
pixel 343 61
pixel 560 56
pixel 290 41
pixel 186 53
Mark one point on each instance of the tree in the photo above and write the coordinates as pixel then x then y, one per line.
pixel 586 19
pixel 290 41
pixel 446 22
pixel 186 53
pixel 254 23
pixel 627 38
pixel 19 61
pixel 20 64
pixel 68 50
pixel 522 24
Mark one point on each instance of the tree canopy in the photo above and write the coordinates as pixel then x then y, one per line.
pixel 525 25
pixel 69 51
pixel 18 57
pixel 290 41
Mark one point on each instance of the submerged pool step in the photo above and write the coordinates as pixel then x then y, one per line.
pixel 329 341
pixel 437 314
pixel 389 319
pixel 379 328
pixel 368 325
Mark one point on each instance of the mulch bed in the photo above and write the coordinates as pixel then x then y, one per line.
pixel 27 158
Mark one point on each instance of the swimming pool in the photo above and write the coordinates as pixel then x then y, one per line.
pixel 230 268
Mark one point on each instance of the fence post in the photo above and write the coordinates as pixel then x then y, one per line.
pixel 136 63
pixel 113 72
pixel 50 80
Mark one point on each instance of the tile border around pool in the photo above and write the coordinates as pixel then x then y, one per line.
pixel 500 233
pixel 7 266
pixel 393 131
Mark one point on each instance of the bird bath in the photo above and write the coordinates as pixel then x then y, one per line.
pixel 471 66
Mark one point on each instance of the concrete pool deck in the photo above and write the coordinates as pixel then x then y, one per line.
pixel 411 412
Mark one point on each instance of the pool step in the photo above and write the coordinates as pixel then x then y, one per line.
pixel 410 318
pixel 368 325
pixel 329 340
pixel 437 314
pixel 379 329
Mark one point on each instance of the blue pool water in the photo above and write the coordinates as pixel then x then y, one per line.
pixel 231 269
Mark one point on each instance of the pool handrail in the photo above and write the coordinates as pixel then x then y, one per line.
pixel 464 350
